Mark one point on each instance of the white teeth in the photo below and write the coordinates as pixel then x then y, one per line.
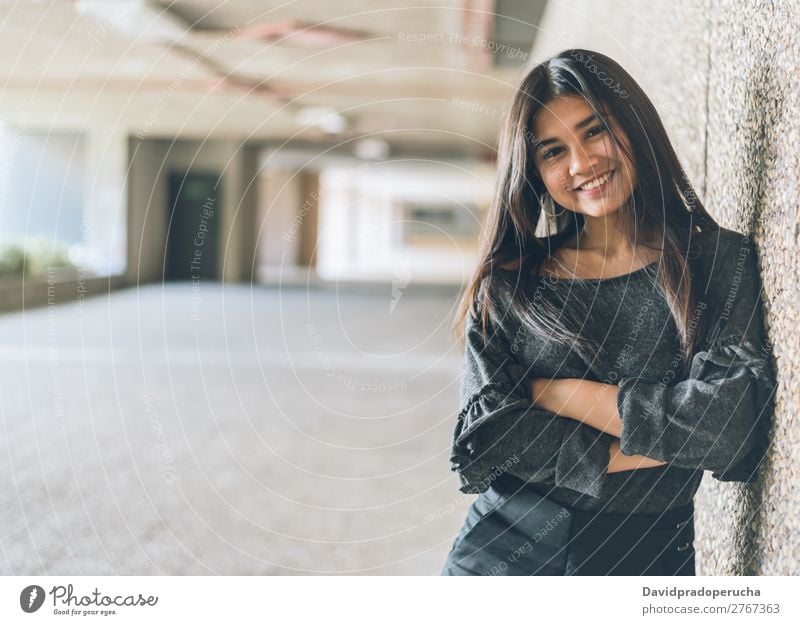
pixel 595 183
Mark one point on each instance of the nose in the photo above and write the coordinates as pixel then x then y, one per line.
pixel 582 164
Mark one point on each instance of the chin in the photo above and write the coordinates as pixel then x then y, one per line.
pixel 598 210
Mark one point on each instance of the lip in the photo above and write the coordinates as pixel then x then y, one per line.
pixel 597 190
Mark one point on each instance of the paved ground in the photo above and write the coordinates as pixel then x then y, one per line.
pixel 231 431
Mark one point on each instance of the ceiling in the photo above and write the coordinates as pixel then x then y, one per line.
pixel 421 76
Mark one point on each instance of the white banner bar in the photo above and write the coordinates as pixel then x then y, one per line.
pixel 401 600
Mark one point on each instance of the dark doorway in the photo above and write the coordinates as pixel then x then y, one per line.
pixel 193 227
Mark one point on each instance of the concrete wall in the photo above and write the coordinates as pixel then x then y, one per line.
pixel 724 76
pixel 64 286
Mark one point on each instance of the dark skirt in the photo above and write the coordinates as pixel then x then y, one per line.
pixel 520 532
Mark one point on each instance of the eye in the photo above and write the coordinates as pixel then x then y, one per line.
pixel 550 153
pixel 598 128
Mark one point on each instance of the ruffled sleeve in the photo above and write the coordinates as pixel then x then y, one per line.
pixel 500 430
pixel 718 418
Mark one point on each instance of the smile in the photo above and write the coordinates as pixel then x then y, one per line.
pixel 596 186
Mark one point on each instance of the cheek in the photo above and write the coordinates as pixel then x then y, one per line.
pixel 629 171
pixel 612 151
pixel 624 164
pixel 554 181
pixel 618 154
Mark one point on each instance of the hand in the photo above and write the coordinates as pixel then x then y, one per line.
pixel 619 461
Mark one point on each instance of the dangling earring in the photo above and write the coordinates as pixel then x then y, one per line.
pixel 548 199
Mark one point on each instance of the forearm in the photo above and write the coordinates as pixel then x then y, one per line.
pixel 592 403
pixel 620 462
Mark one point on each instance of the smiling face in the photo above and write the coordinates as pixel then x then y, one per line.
pixel 573 148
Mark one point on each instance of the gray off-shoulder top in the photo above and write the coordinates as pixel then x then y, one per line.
pixel 715 419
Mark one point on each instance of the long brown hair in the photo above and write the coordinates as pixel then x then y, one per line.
pixel 662 213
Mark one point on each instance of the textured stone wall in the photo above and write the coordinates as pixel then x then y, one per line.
pixel 725 77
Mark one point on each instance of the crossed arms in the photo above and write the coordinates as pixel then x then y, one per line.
pixel 594 404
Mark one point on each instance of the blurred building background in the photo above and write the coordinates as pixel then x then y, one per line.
pixel 334 142
pixel 280 203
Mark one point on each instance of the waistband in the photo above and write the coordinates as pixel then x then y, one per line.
pixel 672 518
pixel 526 495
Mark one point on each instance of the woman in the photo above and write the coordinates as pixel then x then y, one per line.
pixel 611 361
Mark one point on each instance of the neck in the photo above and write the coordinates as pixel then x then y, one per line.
pixel 605 235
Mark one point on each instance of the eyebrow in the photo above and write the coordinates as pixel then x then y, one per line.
pixel 578 126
